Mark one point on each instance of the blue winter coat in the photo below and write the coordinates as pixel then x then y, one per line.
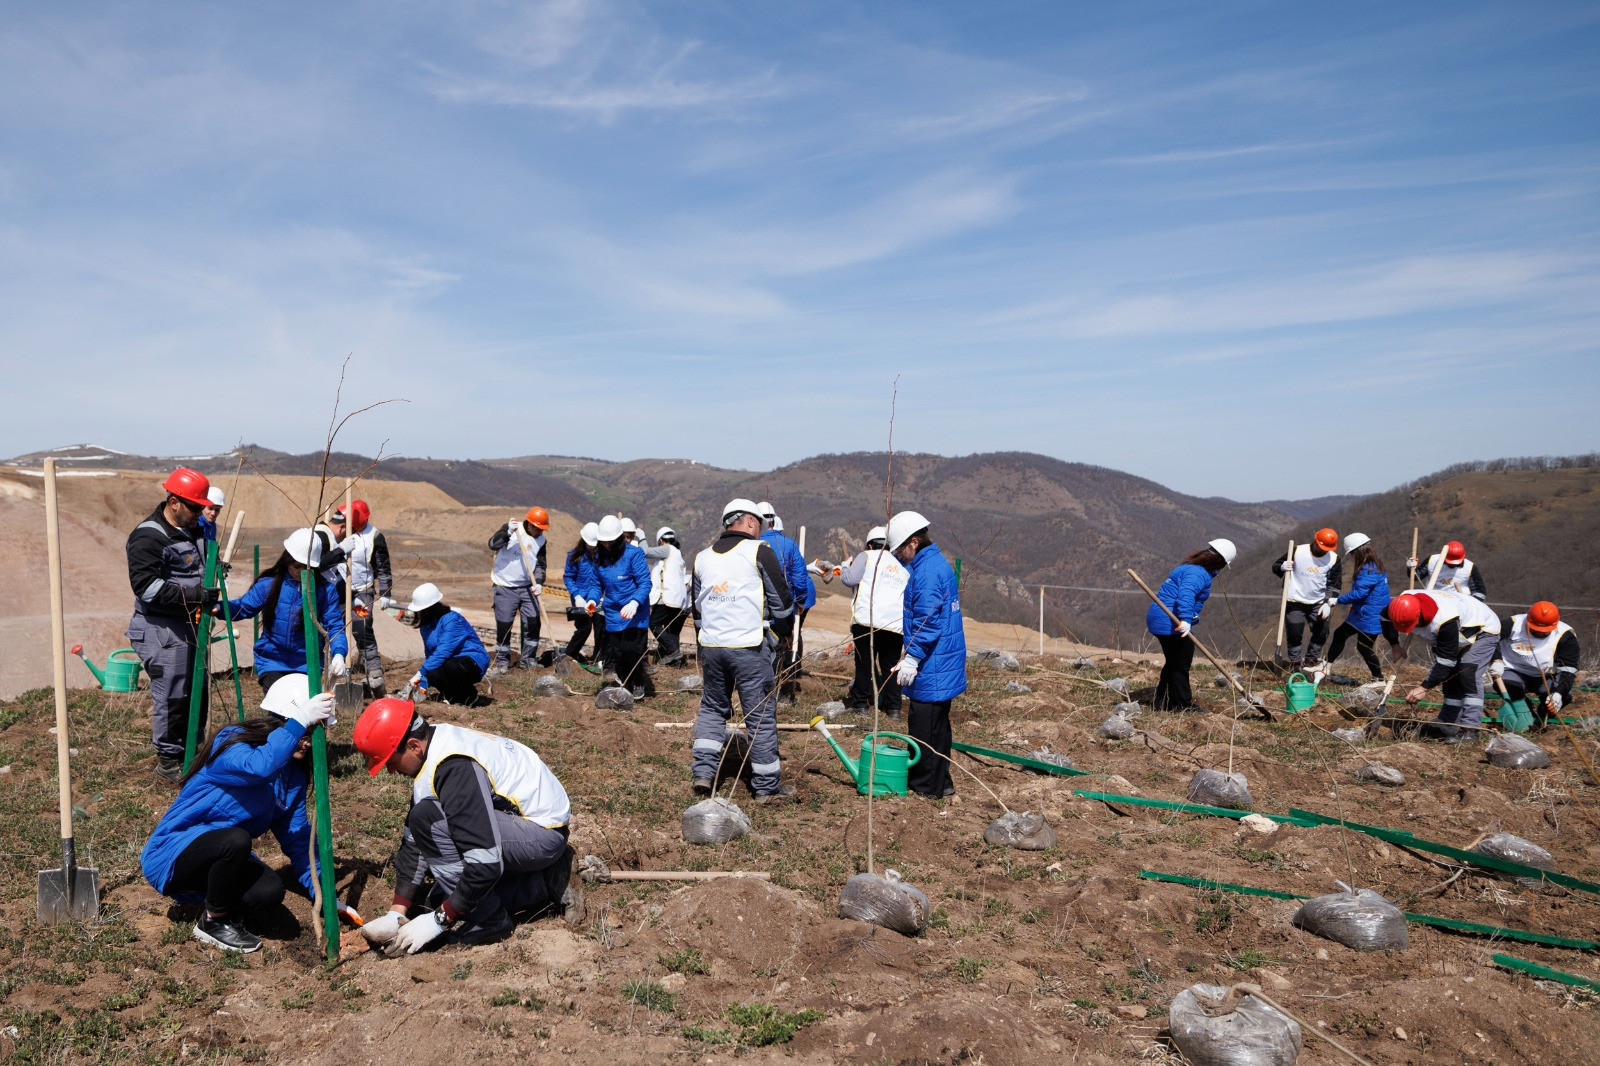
pixel 255 789
pixel 1368 596
pixel 578 574
pixel 794 569
pixel 616 583
pixel 283 646
pixel 933 633
pixel 1185 592
pixel 446 637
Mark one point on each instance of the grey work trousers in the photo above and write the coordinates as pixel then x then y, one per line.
pixel 749 670
pixel 530 858
pixel 166 647
pixel 509 603
pixel 1463 688
pixel 366 640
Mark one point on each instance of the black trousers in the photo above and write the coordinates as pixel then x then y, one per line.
pixel 582 625
pixel 456 679
pixel 1296 617
pixel 929 725
pixel 625 655
pixel 1172 688
pixel 666 623
pixel 791 649
pixel 219 863
pixel 877 652
pixel 1365 644
pixel 271 677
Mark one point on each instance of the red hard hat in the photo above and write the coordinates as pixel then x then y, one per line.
pixel 1411 609
pixel 1327 539
pixel 359 513
pixel 189 485
pixel 1455 553
pixel 537 517
pixel 1542 617
pixel 381 728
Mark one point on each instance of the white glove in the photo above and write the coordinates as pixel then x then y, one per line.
pixel 582 604
pixel 416 935
pixel 416 679
pixel 511 527
pixel 1324 610
pixel 384 603
pixel 381 931
pixel 629 609
pixel 1286 566
pixel 906 670
pixel 337 667
pixel 1497 668
pixel 1182 629
pixel 315 711
pixel 1413 562
pixel 1554 702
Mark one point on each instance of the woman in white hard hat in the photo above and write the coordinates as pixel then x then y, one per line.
pixel 1368 596
pixel 877 584
pixel 208 514
pixel 578 574
pixel 275 596
pixel 621 590
pixel 455 658
pixel 1184 593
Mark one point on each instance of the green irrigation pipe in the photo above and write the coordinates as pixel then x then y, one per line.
pixel 1187 808
pixel 1394 699
pixel 319 769
pixel 1455 924
pixel 1511 962
pixel 1021 760
pixel 200 676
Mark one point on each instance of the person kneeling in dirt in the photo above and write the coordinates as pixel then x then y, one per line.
pixel 454 658
pixel 252 780
pixel 488 821
pixel 1537 655
pixel 1465 635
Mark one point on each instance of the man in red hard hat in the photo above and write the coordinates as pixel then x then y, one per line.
pixel 1538 656
pixel 365 569
pixel 1465 635
pixel 488 821
pixel 1313 577
pixel 166 567
pixel 1452 570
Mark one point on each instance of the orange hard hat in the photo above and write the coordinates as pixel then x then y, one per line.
pixel 189 485
pixel 537 517
pixel 1327 539
pixel 1411 609
pixel 381 728
pixel 1455 553
pixel 359 513
pixel 1542 617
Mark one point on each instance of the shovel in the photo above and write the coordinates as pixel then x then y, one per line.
pixel 70 892
pixel 349 695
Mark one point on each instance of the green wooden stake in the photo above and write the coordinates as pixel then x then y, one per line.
pixel 957 569
pixel 319 769
pixel 200 676
pixel 1511 962
pixel 233 653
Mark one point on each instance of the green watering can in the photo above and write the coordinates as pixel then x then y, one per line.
pixel 122 669
pixel 1298 695
pixel 887 764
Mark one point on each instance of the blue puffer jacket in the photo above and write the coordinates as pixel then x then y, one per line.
pixel 616 583
pixel 794 569
pixel 1185 592
pixel 1368 596
pixel 256 789
pixel 933 633
pixel 283 646
pixel 578 574
pixel 446 637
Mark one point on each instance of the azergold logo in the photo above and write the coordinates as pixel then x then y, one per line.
pixel 720 588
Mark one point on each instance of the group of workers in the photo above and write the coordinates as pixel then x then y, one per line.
pixel 1533 654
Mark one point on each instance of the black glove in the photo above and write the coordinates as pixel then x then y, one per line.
pixel 784 627
pixel 209 598
pixel 224 568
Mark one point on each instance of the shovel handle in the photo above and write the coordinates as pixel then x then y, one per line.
pixel 58 649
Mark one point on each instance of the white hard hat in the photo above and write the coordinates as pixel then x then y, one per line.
pixel 741 506
pixel 902 525
pixel 1355 540
pixel 777 523
pixel 766 510
pixel 876 533
pixel 609 528
pixel 426 595
pixel 1224 547
pixel 628 527
pixel 590 534
pixel 286 693
pixel 665 531
pixel 216 497
pixel 304 547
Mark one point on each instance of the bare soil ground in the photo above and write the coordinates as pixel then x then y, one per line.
pixel 1065 955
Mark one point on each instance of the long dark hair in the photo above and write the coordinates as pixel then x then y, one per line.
pixel 580 548
pixel 1364 555
pixel 1209 558
pixel 251 731
pixel 278 572
pixel 610 551
pixel 433 614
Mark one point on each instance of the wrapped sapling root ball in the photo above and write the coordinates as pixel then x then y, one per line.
pixel 1022 830
pixel 1359 919
pixel 1217 1026
pixel 887 901
pixel 1217 789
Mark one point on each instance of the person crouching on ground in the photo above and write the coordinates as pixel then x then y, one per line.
pixel 454 657
pixel 275 596
pixel 488 821
pixel 1184 593
pixel 933 671
pixel 251 779
pixel 1465 635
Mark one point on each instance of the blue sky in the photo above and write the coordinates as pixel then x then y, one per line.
pixel 1248 249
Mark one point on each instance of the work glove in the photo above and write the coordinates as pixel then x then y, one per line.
pixel 349 913
pixel 1416 694
pixel 381 931
pixel 629 609
pixel 337 667
pixel 906 671
pixel 417 934
pixel 416 680
pixel 1413 562
pixel 1554 702
pixel 384 603
pixel 1182 629
pixel 1497 669
pixel 209 598
pixel 315 711
pixel 1324 610
pixel 1286 566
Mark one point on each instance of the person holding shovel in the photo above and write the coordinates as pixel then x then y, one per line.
pixel 1451 569
pixel 275 596
pixel 1465 635
pixel 620 588
pixel 251 779
pixel 669 595
pixel 578 575
pixel 1313 576
pixel 1538 655
pixel 1184 593
pixel 367 573
pixel 1368 596
pixel 518 578
pixel 933 667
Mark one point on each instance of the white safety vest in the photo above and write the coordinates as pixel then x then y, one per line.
pixel 733 598
pixel 879 601
pixel 1528 653
pixel 1308 581
pixel 358 559
pixel 1473 613
pixel 1453 578
pixel 516 773
pixel 513 564
pixel 667 580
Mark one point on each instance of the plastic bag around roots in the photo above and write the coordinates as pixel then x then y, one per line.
pixel 1217 789
pixel 551 686
pixel 887 901
pixel 1055 758
pixel 1515 753
pixel 1360 919
pixel 1381 774
pixel 616 698
pixel 1212 1027
pixel 1022 830
pixel 1515 849
pixel 714 821
pixel 1120 725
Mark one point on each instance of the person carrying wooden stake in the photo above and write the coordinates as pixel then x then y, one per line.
pixel 1313 573
pixel 1538 655
pixel 1184 593
pixel 933 668
pixel 518 576
pixel 1465 635
pixel 1451 569
pixel 367 573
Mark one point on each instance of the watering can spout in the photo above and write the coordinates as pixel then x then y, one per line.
pixel 99 674
pixel 851 767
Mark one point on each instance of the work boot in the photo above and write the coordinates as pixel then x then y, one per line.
pixel 225 933
pixel 375 686
pixel 781 794
pixel 566 888
pixel 490 930
pixel 497 669
pixel 170 769
pixel 702 786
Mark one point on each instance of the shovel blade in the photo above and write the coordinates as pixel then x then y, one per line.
pixel 62 899
pixel 347 697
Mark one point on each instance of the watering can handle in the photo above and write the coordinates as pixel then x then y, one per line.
pixel 916 754
pixel 1301 676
